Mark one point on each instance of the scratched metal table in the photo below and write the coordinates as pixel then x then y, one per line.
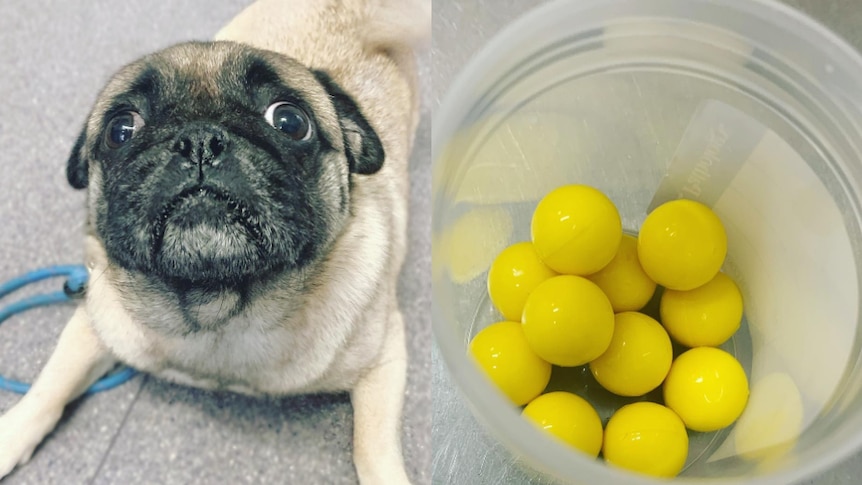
pixel 463 452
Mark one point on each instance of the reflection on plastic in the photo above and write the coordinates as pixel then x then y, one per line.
pixel 790 252
pixel 520 161
pixel 714 147
pixel 469 245
pixel 773 419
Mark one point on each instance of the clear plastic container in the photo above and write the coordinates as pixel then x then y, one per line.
pixel 623 95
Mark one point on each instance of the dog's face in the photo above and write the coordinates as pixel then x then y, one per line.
pixel 210 164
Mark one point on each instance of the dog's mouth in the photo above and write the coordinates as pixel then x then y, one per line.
pixel 205 205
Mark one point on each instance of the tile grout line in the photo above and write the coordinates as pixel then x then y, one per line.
pixel 145 380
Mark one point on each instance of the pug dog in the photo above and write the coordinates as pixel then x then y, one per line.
pixel 246 219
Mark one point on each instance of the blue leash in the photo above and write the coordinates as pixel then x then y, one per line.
pixel 76 278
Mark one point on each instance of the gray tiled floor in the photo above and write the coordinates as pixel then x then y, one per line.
pixel 54 58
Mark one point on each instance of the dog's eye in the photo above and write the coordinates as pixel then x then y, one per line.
pixel 290 119
pixel 122 128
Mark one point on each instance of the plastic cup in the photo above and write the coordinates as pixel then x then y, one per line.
pixel 744 105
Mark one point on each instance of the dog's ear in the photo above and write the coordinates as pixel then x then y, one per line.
pixel 77 169
pixel 364 150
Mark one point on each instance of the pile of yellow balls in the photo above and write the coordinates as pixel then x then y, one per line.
pixel 571 297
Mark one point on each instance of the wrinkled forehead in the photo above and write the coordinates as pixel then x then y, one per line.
pixel 205 79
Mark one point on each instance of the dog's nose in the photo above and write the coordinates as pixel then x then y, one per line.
pixel 201 144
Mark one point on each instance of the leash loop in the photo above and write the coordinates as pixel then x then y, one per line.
pixel 73 288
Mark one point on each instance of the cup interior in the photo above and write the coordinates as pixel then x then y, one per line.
pixel 621 100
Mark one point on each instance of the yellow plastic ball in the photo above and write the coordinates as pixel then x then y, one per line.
pixel 502 351
pixel 682 244
pixel 568 320
pixel 515 273
pixel 623 280
pixel 569 418
pixel 646 438
pixel 576 230
pixel 638 358
pixel 707 388
pixel 706 316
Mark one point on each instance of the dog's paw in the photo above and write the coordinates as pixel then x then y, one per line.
pixel 382 471
pixel 21 431
pixel 392 478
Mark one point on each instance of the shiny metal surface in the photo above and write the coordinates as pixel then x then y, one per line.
pixel 463 453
